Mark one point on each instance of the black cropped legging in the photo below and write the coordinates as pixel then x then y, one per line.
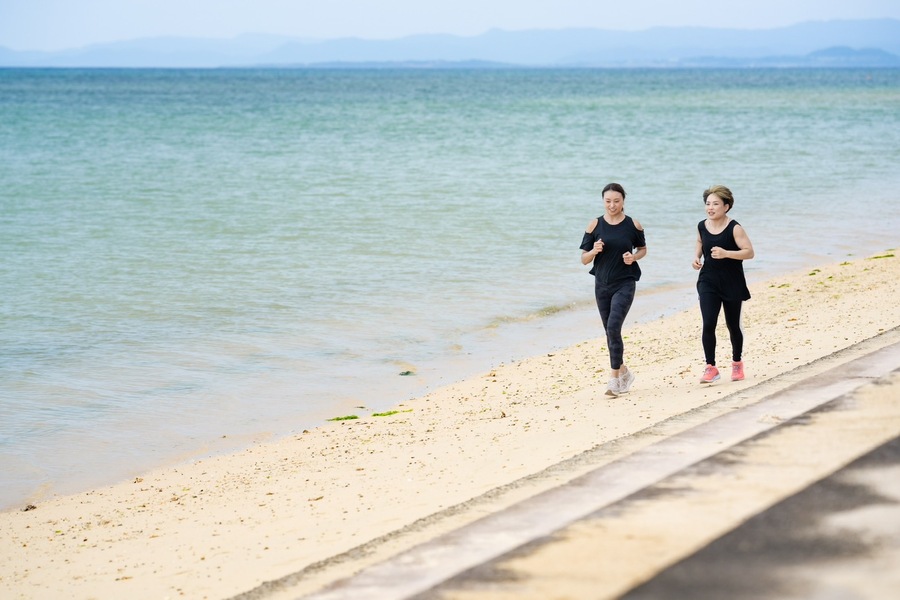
pixel 710 305
pixel 614 302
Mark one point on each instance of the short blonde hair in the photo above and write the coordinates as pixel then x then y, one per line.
pixel 722 192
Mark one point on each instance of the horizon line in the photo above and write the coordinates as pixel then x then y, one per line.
pixel 308 40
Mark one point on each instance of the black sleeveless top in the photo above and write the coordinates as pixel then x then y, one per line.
pixel 723 277
pixel 617 239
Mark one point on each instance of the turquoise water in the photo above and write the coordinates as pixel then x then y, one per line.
pixel 194 259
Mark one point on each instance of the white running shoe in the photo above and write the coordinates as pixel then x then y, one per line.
pixel 613 389
pixel 625 381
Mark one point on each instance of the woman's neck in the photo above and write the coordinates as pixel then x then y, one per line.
pixel 717 225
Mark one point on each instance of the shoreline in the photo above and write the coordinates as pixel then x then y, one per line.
pixel 496 343
pixel 277 508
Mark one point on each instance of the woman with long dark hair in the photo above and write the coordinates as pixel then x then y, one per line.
pixel 613 243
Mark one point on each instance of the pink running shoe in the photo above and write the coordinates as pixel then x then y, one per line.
pixel 737 371
pixel 710 374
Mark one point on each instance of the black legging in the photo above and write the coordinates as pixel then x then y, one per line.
pixel 710 305
pixel 614 301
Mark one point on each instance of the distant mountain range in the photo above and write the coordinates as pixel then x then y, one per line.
pixel 861 43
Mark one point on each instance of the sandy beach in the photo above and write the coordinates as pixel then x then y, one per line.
pixel 321 504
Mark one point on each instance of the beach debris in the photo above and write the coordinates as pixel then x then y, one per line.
pixel 29 507
pixel 391 412
pixel 345 418
pixel 316 499
pixel 138 479
pixel 406 373
pixel 385 414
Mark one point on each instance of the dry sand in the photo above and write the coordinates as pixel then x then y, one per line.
pixel 221 526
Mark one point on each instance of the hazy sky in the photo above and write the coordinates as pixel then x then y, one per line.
pixel 58 24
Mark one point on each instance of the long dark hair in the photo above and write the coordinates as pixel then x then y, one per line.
pixel 614 187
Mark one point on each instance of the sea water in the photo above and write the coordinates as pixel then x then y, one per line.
pixel 194 259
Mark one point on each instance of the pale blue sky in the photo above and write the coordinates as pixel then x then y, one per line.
pixel 60 24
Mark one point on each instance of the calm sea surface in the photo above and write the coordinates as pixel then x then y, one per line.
pixel 190 260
